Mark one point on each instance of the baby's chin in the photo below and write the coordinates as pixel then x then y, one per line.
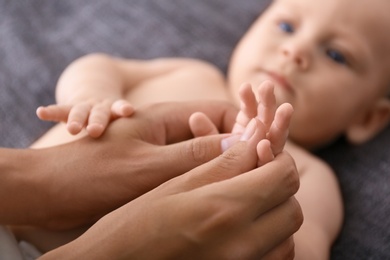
pixel 310 143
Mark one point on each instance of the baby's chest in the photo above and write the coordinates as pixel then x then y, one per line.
pixel 178 85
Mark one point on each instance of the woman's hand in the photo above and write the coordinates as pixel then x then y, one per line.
pixel 224 209
pixel 134 156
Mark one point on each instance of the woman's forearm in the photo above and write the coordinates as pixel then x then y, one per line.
pixel 22 186
pixel 51 187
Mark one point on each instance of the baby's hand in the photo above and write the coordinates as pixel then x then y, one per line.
pixel 93 115
pixel 276 120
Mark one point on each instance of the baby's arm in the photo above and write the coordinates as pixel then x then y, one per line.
pixel 89 93
pixel 321 201
pixel 98 80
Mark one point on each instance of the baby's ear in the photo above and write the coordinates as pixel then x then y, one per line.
pixel 375 120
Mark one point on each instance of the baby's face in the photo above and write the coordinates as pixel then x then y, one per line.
pixel 329 59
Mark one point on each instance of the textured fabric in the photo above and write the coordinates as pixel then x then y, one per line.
pixel 9 249
pixel 39 38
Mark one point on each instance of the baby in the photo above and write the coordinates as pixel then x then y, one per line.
pixel 328 59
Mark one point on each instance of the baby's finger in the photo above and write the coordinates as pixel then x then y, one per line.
pixel 77 118
pixel 57 113
pixel 279 129
pixel 248 108
pixel 122 108
pixel 264 152
pixel 248 101
pixel 267 103
pixel 201 125
pixel 98 119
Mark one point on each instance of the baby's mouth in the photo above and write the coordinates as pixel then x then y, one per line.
pixel 280 80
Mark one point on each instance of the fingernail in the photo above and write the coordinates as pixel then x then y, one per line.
pixel 228 142
pixel 249 130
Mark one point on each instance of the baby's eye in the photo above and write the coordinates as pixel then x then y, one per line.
pixel 286 27
pixel 336 56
